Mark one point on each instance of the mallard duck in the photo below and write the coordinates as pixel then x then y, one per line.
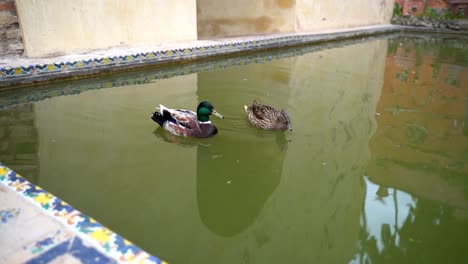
pixel 187 123
pixel 266 117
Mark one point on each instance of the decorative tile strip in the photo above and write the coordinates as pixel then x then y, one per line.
pixel 28 73
pixel 109 242
pixel 15 97
pixel 7 215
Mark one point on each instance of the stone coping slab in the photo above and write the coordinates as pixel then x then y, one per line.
pixel 16 71
pixel 20 71
pixel 37 227
pixel 18 96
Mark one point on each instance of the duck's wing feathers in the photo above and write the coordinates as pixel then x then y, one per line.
pixel 263 111
pixel 192 129
pixel 179 129
pixel 181 116
pixel 184 116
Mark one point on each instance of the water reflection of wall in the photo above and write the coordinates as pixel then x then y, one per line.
pixel 98 152
pixel 420 145
pixel 340 89
pixel 306 209
pixel 313 213
pixel 19 140
pixel 418 166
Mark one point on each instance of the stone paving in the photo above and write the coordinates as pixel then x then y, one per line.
pixel 37 227
pixel 28 235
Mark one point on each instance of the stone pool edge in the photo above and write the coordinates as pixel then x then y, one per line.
pixel 33 71
pixel 109 243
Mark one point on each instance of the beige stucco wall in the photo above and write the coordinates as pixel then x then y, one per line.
pixel 57 26
pixel 232 18
pixel 330 14
pixel 244 17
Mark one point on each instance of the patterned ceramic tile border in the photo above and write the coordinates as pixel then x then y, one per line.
pixel 115 246
pixel 16 97
pixel 8 214
pixel 30 73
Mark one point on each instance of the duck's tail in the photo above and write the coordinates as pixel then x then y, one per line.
pixel 162 116
pixel 254 104
pixel 158 118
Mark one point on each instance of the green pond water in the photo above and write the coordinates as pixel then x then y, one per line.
pixel 375 170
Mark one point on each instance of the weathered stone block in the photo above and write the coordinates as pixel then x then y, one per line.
pixel 7 18
pixel 7 6
pixel 16 46
pixel 4 146
pixel 23 148
pixel 5 158
pixel 6 120
pixel 3 132
pixel 23 131
pixel 13 34
pixel 29 156
pixel 26 116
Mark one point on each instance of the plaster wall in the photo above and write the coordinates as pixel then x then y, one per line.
pixel 244 17
pixel 333 14
pixel 56 27
pixel 232 18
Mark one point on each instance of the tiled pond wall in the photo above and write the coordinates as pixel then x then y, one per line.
pixel 47 27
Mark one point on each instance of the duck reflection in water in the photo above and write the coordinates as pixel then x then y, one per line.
pixel 236 174
pixel 187 142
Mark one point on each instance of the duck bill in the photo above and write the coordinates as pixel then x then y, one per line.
pixel 215 113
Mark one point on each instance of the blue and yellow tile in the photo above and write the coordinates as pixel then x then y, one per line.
pixel 8 71
pixel 153 55
pixel 71 64
pixel 8 215
pixel 144 55
pixel 87 63
pixel 58 66
pixel 136 56
pixel 28 69
pixel 98 61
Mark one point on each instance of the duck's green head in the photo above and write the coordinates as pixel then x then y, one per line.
pixel 204 110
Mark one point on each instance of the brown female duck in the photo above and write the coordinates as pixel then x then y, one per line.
pixel 266 117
